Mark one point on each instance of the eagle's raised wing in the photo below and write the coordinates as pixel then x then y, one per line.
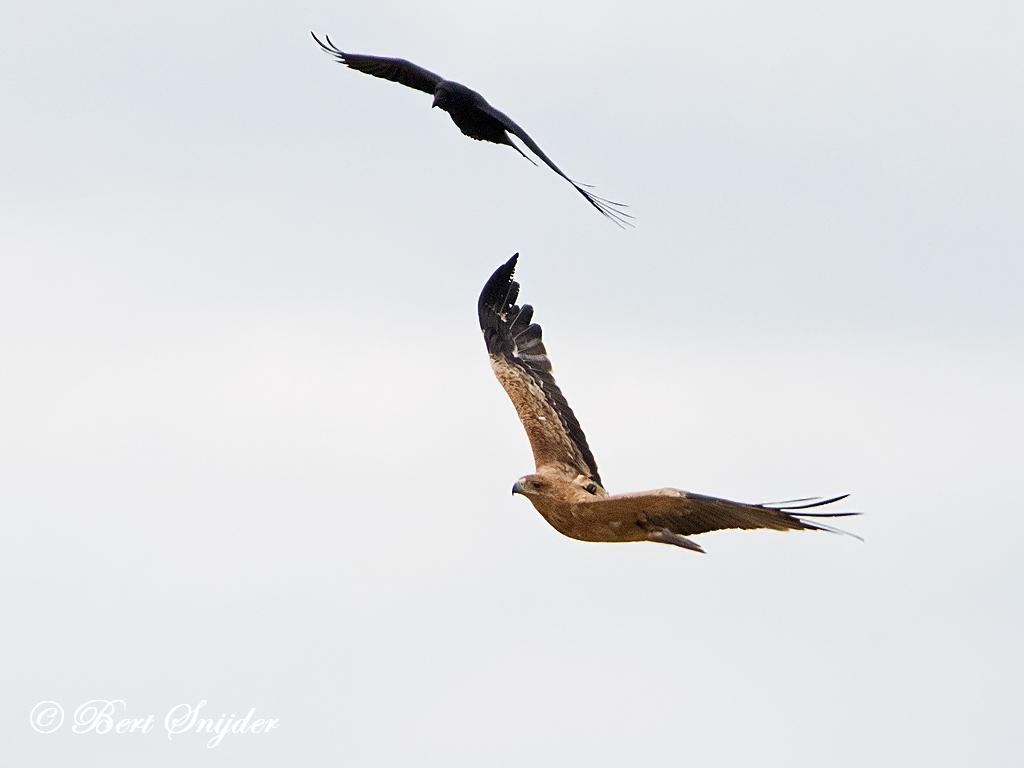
pixel 608 208
pixel 521 364
pixel 395 70
pixel 671 515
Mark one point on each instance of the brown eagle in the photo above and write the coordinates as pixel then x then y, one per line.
pixel 567 489
pixel 469 111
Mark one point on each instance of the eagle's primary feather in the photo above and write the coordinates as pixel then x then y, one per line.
pixel 567 488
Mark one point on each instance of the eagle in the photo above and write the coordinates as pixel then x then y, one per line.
pixel 567 489
pixel 469 111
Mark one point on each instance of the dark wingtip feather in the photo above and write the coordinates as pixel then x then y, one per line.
pixel 807 503
pixel 319 42
pixel 495 293
pixel 620 218
pixel 608 208
pixel 813 519
pixel 330 48
pixel 819 526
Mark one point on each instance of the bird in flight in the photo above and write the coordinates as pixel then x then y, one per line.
pixel 567 489
pixel 469 111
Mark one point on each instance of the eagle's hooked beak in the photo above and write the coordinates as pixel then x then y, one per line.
pixel 518 487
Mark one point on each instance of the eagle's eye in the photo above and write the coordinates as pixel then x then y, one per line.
pixel 537 484
pixel 591 488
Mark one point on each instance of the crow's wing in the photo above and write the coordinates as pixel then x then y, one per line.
pixel 395 70
pixel 608 208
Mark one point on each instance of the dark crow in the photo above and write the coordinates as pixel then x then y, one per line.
pixel 468 110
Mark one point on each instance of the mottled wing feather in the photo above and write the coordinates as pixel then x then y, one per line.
pixel 689 514
pixel 521 364
pixel 395 70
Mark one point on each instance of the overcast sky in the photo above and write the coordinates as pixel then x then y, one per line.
pixel 251 450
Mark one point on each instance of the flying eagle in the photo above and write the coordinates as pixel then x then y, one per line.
pixel 469 111
pixel 567 489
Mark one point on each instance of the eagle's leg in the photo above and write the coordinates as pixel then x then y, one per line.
pixel 665 536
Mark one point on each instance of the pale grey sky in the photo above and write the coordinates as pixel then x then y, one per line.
pixel 251 450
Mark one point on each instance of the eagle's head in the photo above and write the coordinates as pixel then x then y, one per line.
pixel 534 486
pixel 530 485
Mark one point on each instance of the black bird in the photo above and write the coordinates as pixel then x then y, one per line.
pixel 468 110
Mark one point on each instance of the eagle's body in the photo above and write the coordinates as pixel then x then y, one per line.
pixel 566 488
pixel 468 110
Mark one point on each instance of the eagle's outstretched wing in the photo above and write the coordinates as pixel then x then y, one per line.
pixel 608 208
pixel 521 364
pixel 395 70
pixel 567 487
pixel 670 515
